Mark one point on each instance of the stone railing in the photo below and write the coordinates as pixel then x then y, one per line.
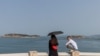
pixel 35 53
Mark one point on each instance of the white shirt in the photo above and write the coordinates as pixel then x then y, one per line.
pixel 73 43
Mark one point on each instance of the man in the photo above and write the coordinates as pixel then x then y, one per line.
pixel 71 44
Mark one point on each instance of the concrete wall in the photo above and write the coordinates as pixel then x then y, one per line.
pixel 15 54
pixel 35 53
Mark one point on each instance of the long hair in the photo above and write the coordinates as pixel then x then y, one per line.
pixel 54 40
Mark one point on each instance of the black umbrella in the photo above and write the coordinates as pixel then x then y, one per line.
pixel 55 33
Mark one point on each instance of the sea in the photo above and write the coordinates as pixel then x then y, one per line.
pixel 40 44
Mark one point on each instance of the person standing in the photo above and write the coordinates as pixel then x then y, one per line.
pixel 71 44
pixel 53 46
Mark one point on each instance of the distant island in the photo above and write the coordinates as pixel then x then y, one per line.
pixel 15 35
pixel 77 36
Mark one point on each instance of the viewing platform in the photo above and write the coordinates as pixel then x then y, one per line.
pixel 35 53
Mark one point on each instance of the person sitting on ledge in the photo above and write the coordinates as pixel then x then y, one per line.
pixel 71 44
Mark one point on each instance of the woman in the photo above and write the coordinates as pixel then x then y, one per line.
pixel 53 46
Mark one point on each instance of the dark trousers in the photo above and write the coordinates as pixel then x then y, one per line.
pixel 53 53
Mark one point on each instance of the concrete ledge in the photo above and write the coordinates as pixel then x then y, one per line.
pixel 59 53
pixel 89 54
pixel 46 54
pixel 15 54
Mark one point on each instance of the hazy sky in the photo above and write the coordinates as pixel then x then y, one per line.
pixel 43 16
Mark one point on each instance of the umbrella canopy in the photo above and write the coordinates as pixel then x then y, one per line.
pixel 55 33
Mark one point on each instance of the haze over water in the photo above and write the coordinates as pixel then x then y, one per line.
pixel 20 45
pixel 73 17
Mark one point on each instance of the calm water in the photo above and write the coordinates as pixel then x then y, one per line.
pixel 13 45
